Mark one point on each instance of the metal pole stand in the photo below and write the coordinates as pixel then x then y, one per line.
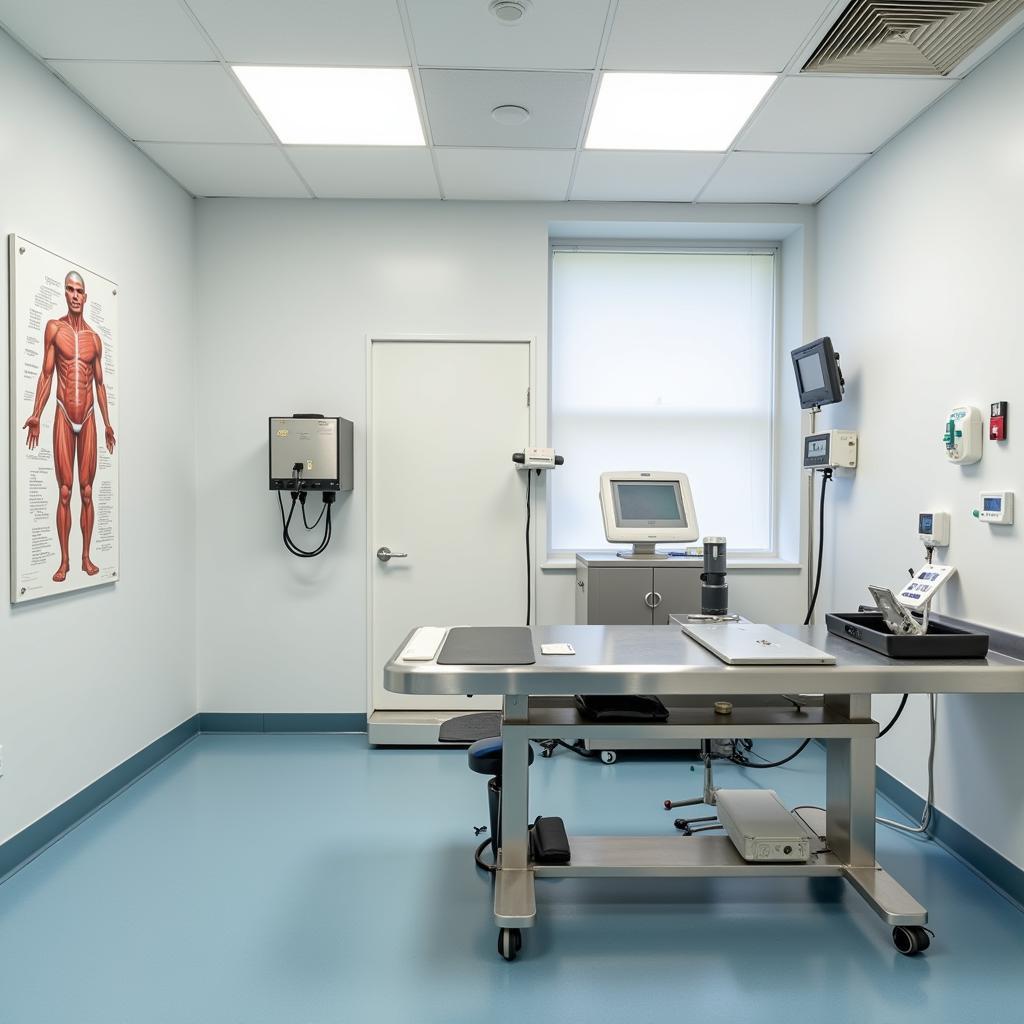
pixel 707 797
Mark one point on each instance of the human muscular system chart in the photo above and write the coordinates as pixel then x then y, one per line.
pixel 73 350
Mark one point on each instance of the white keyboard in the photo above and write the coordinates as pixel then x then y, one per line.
pixel 425 644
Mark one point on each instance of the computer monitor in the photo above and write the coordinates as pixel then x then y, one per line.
pixel 818 377
pixel 645 508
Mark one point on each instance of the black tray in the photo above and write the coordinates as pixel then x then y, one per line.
pixel 869 630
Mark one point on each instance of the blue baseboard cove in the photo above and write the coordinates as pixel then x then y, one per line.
pixel 31 841
pixel 999 872
pixel 229 721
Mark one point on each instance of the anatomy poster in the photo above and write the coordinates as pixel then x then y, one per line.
pixel 64 433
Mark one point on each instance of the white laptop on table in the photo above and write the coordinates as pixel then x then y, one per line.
pixel 747 643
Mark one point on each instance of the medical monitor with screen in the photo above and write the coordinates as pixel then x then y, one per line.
pixel 646 508
pixel 818 377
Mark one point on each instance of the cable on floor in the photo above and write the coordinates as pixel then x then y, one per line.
pixel 926 813
pixel 480 862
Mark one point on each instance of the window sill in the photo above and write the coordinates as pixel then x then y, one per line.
pixel 738 564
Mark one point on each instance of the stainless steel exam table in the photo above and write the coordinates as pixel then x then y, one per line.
pixel 661 660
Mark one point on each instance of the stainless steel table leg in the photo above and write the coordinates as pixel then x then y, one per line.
pixel 886 897
pixel 514 901
pixel 850 815
pixel 850 784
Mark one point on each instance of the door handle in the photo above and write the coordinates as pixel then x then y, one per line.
pixel 386 554
pixel 656 599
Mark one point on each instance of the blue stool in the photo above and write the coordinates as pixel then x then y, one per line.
pixel 485 759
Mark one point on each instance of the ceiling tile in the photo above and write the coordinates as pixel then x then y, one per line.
pixel 112 30
pixel 779 177
pixel 167 102
pixel 721 35
pixel 229 170
pixel 339 32
pixel 459 105
pixel 464 33
pixel 642 177
pixel 825 114
pixel 367 172
pixel 504 173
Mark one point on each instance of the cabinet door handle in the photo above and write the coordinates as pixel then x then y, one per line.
pixel 652 599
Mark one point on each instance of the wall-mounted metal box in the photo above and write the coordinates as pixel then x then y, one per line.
pixel 310 452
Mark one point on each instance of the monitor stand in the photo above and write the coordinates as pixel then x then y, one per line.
pixel 645 550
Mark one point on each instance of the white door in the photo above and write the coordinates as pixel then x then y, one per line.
pixel 445 418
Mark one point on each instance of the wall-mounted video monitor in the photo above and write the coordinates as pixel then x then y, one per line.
pixel 818 377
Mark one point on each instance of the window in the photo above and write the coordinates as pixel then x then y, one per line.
pixel 663 361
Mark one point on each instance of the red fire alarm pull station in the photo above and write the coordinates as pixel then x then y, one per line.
pixel 997 422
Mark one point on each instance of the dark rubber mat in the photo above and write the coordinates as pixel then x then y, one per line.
pixel 470 728
pixel 488 645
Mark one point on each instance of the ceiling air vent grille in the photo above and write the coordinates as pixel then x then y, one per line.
pixel 908 37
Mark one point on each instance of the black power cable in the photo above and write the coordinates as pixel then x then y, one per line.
pixel 895 718
pixel 305 523
pixel 743 762
pixel 529 574
pixel 328 497
pixel 826 475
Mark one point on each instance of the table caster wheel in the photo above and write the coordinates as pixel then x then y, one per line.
pixel 911 939
pixel 609 756
pixel 510 941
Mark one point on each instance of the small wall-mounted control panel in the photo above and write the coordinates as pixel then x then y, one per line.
pixel 833 449
pixel 933 529
pixel 997 425
pixel 996 508
pixel 962 436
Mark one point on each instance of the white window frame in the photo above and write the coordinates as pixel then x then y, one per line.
pixel 559 558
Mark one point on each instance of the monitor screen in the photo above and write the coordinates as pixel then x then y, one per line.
pixel 811 377
pixel 652 504
pixel 817 373
pixel 993 504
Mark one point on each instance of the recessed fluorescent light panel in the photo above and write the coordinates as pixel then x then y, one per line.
pixel 677 112
pixel 336 106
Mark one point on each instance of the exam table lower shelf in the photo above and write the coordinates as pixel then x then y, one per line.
pixel 671 857
pixel 515 904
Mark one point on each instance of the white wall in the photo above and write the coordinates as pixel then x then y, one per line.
pixel 919 276
pixel 89 679
pixel 287 294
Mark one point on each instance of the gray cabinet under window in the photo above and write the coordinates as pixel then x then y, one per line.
pixel 635 592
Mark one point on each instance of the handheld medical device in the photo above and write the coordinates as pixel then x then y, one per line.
pixel 896 617
pixel 925 584
pixel 818 376
pixel 962 436
pixel 996 508
pixel 831 449
pixel 933 529
pixel 645 508
pixel 760 827
pixel 714 591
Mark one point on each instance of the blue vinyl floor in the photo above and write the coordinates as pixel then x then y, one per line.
pixel 308 879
